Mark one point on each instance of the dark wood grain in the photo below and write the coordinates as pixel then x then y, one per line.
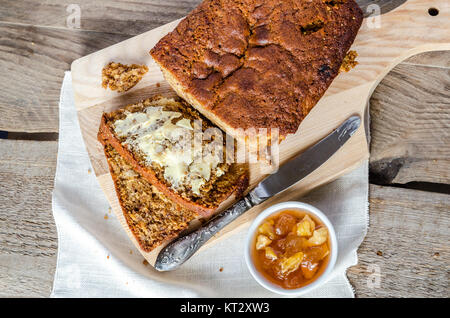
pixel 28 239
pixel 33 61
pixel 123 17
pixel 36 47
pixel 408 242
pixel 439 59
pixel 411 133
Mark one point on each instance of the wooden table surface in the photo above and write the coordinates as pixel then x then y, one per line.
pixel 406 252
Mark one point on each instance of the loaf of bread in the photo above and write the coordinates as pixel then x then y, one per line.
pixel 258 63
pixel 150 136
pixel 151 216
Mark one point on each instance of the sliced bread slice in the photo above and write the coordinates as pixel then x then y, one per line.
pixel 150 215
pixel 153 136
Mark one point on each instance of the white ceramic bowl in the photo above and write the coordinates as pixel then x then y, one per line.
pixel 288 206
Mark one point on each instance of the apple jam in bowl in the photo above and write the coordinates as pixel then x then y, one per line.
pixel 291 248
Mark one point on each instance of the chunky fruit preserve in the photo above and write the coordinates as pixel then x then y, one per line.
pixel 291 248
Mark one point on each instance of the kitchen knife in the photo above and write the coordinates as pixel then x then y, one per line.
pixel 181 249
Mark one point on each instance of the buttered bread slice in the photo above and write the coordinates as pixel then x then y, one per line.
pixel 177 150
pixel 151 217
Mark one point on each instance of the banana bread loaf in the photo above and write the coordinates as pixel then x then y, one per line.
pixel 258 63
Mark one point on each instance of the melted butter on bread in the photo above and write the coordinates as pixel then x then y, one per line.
pixel 155 135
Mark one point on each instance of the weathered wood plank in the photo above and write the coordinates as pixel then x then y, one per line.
pixel 124 17
pixel 28 238
pixel 410 129
pixel 120 16
pixel 432 59
pixel 36 47
pixel 33 61
pixel 407 244
pixel 26 276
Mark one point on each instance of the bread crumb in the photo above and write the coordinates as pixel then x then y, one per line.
pixel 349 61
pixel 380 253
pixel 120 77
pixel 158 84
pixel 221 269
pixel 131 252
pixel 107 257
pixel 145 262
pixel 89 171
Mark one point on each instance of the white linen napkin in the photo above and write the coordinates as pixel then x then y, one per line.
pixel 96 258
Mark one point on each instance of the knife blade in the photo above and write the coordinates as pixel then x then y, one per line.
pixel 180 250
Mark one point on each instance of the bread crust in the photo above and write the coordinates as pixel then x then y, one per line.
pixel 107 137
pixel 258 64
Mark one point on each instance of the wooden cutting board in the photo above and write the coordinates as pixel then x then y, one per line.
pixel 381 43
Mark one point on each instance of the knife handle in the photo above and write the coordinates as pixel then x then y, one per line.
pixel 181 249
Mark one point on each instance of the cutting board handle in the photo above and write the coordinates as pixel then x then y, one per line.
pixel 385 40
pixel 382 42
